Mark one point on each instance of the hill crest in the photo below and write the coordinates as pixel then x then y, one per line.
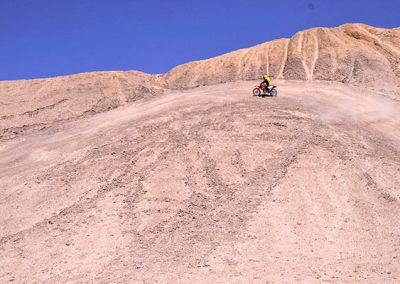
pixel 354 54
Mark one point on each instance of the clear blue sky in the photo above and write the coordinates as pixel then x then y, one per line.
pixel 45 38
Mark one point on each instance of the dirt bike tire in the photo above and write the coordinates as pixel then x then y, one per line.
pixel 274 92
pixel 256 91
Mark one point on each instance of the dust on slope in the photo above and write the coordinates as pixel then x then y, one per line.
pixel 209 187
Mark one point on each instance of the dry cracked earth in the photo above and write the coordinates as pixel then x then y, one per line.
pixel 209 185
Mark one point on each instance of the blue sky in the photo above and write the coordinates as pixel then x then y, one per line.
pixel 46 38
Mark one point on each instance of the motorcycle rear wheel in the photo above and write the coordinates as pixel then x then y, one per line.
pixel 274 92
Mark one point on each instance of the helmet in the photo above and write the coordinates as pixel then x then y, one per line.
pixel 265 76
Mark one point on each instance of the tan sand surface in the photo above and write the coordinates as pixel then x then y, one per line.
pixel 208 185
pixel 353 54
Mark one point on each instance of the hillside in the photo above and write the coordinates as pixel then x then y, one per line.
pixel 352 54
pixel 185 177
pixel 205 187
pixel 28 105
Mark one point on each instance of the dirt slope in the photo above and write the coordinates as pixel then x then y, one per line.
pixel 209 186
pixel 123 177
pixel 352 53
pixel 27 105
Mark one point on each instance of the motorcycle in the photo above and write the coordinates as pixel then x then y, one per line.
pixel 262 91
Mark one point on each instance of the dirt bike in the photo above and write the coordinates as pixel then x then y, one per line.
pixel 261 91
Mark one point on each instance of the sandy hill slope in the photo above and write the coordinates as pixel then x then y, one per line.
pixel 27 105
pixel 125 177
pixel 352 53
pixel 205 187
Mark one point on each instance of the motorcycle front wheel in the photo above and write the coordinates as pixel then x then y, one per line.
pixel 256 92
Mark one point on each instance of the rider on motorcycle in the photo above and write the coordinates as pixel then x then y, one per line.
pixel 266 82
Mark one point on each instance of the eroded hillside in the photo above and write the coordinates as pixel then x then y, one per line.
pixel 202 186
pixel 352 54
pixel 28 105
pixel 104 180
